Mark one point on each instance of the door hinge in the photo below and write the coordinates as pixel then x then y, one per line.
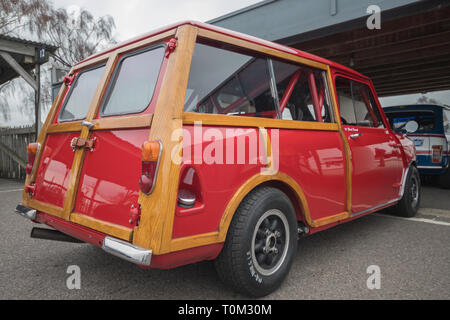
pixel 68 80
pixel 135 215
pixel 171 46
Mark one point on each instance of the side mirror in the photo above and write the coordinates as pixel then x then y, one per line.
pixel 412 126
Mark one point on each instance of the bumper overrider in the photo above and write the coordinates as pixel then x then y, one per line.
pixel 116 247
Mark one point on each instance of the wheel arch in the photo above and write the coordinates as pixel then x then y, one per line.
pixel 281 181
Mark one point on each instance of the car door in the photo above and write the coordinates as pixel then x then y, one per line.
pixel 376 157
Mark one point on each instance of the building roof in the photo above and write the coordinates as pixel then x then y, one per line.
pixel 234 34
pixel 24 52
pixel 28 42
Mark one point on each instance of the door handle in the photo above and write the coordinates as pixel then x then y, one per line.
pixel 78 143
pixel 356 135
pixel 395 145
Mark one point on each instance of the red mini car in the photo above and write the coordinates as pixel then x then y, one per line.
pixel 197 143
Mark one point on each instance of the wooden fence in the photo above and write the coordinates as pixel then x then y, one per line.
pixel 13 151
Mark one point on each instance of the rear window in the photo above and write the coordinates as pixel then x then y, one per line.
pixel 134 82
pixel 80 96
pixel 425 119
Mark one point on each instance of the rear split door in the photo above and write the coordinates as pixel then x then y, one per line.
pixel 91 161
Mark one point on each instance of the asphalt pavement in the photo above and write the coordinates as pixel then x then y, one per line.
pixel 413 257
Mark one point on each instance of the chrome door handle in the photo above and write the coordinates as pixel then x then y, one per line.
pixel 356 135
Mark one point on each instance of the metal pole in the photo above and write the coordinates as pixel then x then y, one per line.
pixel 37 100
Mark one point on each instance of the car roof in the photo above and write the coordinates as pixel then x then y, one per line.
pixel 414 107
pixel 234 34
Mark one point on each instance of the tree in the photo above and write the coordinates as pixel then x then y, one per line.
pixel 425 100
pixel 76 34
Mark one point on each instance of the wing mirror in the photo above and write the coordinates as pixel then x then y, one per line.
pixel 412 126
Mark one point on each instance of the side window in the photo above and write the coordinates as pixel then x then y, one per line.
pixel 357 96
pixel 133 84
pixel 81 94
pixel 366 110
pixel 229 83
pixel 302 92
pixel 345 98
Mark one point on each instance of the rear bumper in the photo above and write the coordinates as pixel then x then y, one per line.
pixel 26 212
pixel 119 248
pixel 144 258
pixel 127 251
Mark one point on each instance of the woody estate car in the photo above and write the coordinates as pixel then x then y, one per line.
pixel 197 143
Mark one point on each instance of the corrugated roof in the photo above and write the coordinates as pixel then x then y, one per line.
pixel 28 42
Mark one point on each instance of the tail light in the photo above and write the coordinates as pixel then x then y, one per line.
pixel 32 150
pixel 437 154
pixel 151 156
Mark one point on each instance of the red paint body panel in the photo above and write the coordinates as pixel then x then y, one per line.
pixel 109 182
pixel 315 159
pixel 377 167
pixel 54 169
pixel 215 185
pixel 181 258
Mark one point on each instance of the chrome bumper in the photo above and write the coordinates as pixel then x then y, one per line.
pixel 127 251
pixel 26 212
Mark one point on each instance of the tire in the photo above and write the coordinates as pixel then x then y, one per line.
pixel 260 245
pixel 444 179
pixel 409 205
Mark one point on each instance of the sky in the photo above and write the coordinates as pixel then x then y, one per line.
pixel 136 17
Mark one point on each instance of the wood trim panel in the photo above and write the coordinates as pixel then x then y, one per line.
pixel 239 121
pixel 330 219
pixel 90 63
pixel 112 229
pixel 158 208
pixel 259 48
pixel 197 240
pixel 65 127
pixel 347 152
pixel 44 207
pixel 123 122
pixel 146 42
